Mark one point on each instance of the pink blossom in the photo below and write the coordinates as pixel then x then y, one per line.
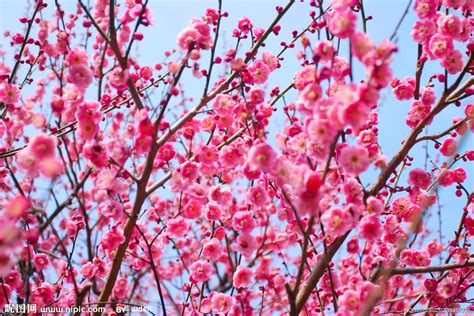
pixel 259 72
pixel 177 227
pixel 362 44
pixel 88 116
pixel 166 152
pixel 448 147
pixel 88 270
pixel 341 23
pixel 449 25
pixel 418 112
pixel 96 153
pixel 221 303
pixel 460 175
pixel 258 196
pixel 208 155
pixel 310 95
pixel 244 25
pixel 42 146
pixel 419 178
pixel 41 261
pixel 354 159
pixel 445 177
pixel 189 171
pixel 212 250
pixel 426 8
pixel 404 90
pixel 423 31
pixel 453 62
pixel 246 244
pixel 118 78
pixel 242 277
pixel 77 56
pixel 336 221
pixel 262 156
pixel 201 271
pixel 370 227
pixel 349 302
pixel 374 205
pixel 455 4
pixel 80 75
pixel 16 207
pixel 324 50
pixel 243 221
pixel 9 94
pixel 440 45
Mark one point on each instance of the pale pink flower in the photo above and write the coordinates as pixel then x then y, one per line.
pixel 341 23
pixel 370 227
pixel 349 302
pixel 201 271
pixel 354 159
pixel 262 156
pixel 212 250
pixel 80 75
pixel 9 94
pixel 88 270
pixel 221 303
pixel 242 277
pixel 246 244
pixel 336 221
pixel 419 178
pixel 16 207
pixel 243 221
pixel 41 261
pixel 448 147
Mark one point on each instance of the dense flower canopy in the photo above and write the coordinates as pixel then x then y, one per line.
pixel 120 188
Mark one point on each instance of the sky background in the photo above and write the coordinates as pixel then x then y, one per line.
pixel 170 17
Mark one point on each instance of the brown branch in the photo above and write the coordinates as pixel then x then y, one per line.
pixel 123 62
pixel 317 273
pixel 440 268
pixel 444 133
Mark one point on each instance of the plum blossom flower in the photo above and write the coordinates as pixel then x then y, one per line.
pixel 88 270
pixel 221 303
pixel 354 159
pixel 419 178
pixel 262 156
pixel 201 271
pixel 370 227
pixel 336 221
pixel 16 207
pixel 9 93
pixel 212 249
pixel 41 261
pixel 448 147
pixel 243 221
pixel 242 277
pixel 80 75
pixel 246 244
